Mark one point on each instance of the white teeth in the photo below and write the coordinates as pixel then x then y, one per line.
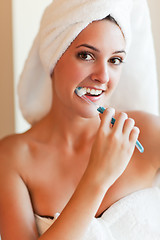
pixel 98 92
pixel 88 90
pixel 82 91
pixel 91 91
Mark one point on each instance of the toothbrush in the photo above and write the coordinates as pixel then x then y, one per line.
pixel 79 91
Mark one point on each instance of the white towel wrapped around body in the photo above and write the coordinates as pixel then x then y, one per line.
pixel 136 216
pixel 61 23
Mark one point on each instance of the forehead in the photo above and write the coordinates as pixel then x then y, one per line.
pixel 101 33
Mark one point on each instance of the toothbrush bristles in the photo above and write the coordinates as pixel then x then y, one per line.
pixel 81 94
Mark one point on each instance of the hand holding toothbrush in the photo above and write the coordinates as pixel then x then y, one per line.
pixel 79 91
pixel 113 148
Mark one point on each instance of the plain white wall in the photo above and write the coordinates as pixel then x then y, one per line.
pixel 154 6
pixel 26 16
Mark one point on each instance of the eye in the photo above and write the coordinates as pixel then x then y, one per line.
pixel 86 56
pixel 116 60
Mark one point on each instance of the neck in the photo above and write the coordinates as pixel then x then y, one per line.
pixel 64 126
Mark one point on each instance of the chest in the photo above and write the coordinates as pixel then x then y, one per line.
pixel 52 182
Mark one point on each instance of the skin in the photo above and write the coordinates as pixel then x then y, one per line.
pixel 73 161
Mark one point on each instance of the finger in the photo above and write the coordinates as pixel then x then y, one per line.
pixel 106 118
pixel 119 123
pixel 128 126
pixel 134 135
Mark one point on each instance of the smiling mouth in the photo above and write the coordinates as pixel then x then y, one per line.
pixel 91 92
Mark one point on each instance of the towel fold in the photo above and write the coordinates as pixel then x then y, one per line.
pixel 136 216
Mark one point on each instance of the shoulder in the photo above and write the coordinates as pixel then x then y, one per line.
pixel 14 152
pixel 11 142
pixel 149 125
pixel 12 145
pixel 147 122
pixel 143 117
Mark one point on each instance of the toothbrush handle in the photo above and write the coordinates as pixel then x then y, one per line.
pixel 138 144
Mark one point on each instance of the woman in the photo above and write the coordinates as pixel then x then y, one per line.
pixel 71 161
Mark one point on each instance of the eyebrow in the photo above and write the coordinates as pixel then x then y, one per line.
pixel 121 51
pixel 88 46
pixel 97 50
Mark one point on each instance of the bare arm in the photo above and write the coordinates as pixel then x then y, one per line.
pixel 110 156
pixel 16 215
pixel 152 138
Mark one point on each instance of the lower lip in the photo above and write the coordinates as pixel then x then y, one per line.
pixel 93 98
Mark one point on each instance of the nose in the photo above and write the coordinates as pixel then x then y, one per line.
pixel 101 73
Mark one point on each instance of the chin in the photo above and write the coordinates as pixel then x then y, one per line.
pixel 88 112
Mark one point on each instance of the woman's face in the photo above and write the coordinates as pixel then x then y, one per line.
pixel 93 61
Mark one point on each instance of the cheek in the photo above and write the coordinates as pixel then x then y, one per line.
pixel 114 78
pixel 69 69
pixel 66 77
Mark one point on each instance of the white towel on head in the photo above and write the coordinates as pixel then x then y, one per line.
pixel 138 87
pixel 61 23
